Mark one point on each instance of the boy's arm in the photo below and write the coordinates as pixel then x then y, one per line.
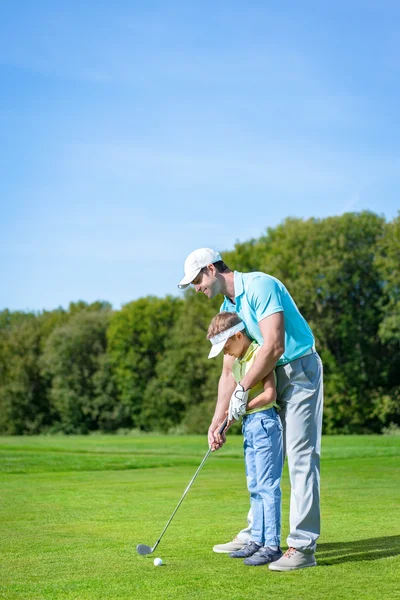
pixel 267 396
pixel 226 386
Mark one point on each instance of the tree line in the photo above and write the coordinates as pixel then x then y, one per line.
pixel 91 368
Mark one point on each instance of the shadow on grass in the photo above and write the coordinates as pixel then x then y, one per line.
pixel 358 550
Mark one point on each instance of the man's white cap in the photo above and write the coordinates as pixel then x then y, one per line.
pixel 219 340
pixel 195 262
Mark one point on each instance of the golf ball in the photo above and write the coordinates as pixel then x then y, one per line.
pixel 157 562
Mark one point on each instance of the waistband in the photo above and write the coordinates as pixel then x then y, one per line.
pixel 311 350
pixel 272 412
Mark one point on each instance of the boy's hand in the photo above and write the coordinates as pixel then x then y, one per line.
pixel 238 402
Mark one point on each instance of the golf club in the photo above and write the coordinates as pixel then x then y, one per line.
pixel 143 548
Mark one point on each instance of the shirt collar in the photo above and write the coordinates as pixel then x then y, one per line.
pixel 238 286
pixel 249 352
pixel 238 283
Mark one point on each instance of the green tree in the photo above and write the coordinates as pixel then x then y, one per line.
pixel 24 404
pixel 74 363
pixel 388 261
pixel 185 382
pixel 136 339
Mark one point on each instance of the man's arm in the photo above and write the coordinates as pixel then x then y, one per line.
pixel 273 331
pixel 226 386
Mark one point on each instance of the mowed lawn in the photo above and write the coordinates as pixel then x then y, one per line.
pixel 73 509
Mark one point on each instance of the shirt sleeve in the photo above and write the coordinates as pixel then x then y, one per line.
pixel 265 297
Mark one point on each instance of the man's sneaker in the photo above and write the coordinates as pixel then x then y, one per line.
pixel 247 550
pixel 294 559
pixel 264 556
pixel 235 544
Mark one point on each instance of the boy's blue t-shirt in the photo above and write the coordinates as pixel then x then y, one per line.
pixel 257 296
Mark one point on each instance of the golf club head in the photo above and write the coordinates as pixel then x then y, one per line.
pixel 143 549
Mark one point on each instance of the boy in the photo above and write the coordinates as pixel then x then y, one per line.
pixel 262 432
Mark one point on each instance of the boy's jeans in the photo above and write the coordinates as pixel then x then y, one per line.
pixel 263 450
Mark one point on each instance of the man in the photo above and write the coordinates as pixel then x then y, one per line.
pixel 274 321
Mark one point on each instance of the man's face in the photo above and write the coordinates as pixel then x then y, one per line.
pixel 207 282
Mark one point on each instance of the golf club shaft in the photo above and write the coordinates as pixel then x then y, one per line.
pixel 224 424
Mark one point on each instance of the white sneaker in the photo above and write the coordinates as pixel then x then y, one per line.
pixel 293 559
pixel 232 546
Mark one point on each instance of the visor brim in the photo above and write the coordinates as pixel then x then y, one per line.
pixel 216 349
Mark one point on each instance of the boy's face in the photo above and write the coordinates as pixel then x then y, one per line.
pixel 235 345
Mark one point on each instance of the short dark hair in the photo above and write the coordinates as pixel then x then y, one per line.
pixel 221 266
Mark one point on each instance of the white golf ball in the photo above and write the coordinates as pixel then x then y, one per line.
pixel 157 562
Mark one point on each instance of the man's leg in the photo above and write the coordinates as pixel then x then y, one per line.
pixel 242 538
pixel 300 391
pixel 244 535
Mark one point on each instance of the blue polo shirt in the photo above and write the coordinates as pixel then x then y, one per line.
pixel 257 296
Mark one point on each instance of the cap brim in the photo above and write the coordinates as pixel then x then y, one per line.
pixel 187 280
pixel 216 349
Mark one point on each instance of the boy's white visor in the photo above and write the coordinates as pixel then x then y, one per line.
pixel 219 340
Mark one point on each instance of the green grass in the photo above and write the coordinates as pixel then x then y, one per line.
pixel 72 510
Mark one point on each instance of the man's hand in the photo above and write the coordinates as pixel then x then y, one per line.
pixel 226 385
pixel 216 439
pixel 238 403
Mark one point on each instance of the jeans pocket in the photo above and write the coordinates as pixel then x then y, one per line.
pixel 310 368
pixel 268 431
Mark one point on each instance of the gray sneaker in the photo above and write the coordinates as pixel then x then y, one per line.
pixel 248 550
pixel 294 559
pixel 235 544
pixel 264 556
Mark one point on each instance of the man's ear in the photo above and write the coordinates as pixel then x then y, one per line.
pixel 239 335
pixel 211 269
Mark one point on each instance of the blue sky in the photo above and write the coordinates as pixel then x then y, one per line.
pixel 135 132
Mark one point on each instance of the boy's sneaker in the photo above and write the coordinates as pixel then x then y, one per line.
pixel 248 550
pixel 294 559
pixel 235 544
pixel 264 556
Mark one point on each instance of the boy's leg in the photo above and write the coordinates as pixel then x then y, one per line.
pixel 257 532
pixel 269 463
